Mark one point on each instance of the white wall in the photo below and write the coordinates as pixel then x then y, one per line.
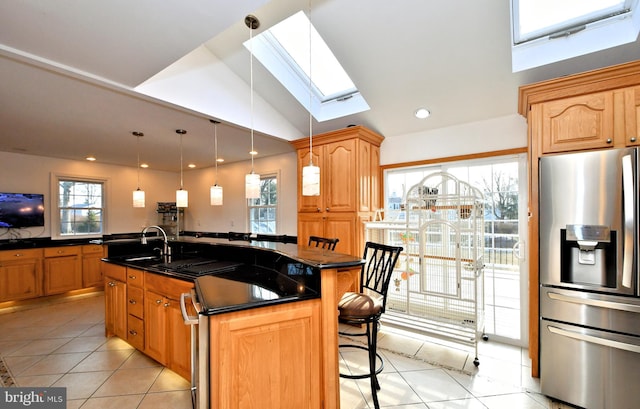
pixel 232 215
pixel 496 134
pixel 31 174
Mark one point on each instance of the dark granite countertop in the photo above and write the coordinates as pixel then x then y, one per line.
pixel 235 275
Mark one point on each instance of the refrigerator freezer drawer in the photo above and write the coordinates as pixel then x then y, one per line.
pixel 589 368
pixel 607 312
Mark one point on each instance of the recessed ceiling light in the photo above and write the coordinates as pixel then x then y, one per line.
pixel 220 160
pixel 90 158
pixel 144 165
pixel 253 153
pixel 191 165
pixel 422 113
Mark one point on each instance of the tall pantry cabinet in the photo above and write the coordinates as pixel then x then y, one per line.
pixel 593 110
pixel 349 161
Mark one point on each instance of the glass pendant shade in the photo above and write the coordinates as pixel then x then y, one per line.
pixel 216 195
pixel 252 186
pixel 138 198
pixel 182 198
pixel 311 180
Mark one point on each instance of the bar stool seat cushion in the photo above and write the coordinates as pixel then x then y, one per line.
pixel 358 305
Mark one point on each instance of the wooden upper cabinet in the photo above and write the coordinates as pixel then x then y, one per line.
pixel 632 115
pixel 578 123
pixel 339 166
pixel 349 161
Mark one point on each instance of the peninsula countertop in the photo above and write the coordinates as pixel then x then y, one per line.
pixel 235 275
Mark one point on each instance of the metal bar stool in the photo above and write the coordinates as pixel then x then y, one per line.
pixel 323 242
pixel 366 307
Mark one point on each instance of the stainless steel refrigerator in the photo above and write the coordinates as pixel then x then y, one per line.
pixel 589 286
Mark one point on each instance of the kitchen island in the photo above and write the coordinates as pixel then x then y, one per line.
pixel 267 316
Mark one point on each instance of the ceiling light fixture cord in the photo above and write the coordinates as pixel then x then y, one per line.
pixel 181 185
pixel 310 96
pixel 138 135
pixel 252 153
pixel 215 145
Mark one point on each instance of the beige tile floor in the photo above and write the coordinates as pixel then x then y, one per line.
pixel 63 344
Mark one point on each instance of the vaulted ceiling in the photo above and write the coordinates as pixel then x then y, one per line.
pixel 77 77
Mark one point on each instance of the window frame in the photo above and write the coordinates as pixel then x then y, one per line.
pixel 576 38
pixel 56 227
pixel 250 206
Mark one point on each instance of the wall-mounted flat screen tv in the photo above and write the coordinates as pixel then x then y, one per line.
pixel 18 210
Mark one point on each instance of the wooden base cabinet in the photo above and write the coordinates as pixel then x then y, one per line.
pixel 20 274
pixel 349 161
pixel 166 338
pixel 91 262
pixel 62 269
pixel 268 358
pixel 115 300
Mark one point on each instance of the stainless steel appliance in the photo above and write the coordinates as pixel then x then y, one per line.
pixel 199 349
pixel 589 286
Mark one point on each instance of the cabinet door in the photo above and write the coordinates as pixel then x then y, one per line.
pixel 310 225
pixel 342 226
pixel 91 270
pixel 267 358
pixel 155 326
pixel 310 204
pixel 179 339
pixel 632 116
pixel 20 279
pixel 578 123
pixel 341 179
pixel 115 300
pixel 62 274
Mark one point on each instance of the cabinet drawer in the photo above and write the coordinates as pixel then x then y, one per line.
pixel 135 303
pixel 167 286
pixel 135 277
pixel 135 332
pixel 114 271
pixel 10 255
pixel 62 251
pixel 92 249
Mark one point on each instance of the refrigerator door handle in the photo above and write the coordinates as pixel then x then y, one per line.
pixel 612 305
pixel 594 340
pixel 629 204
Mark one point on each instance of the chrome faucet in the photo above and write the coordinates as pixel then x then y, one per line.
pixel 167 249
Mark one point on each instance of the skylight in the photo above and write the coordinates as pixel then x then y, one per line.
pixel 284 51
pixel 546 31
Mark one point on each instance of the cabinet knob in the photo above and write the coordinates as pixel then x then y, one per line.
pixel 158 302
pixel 133 332
pixel 166 304
pixel 132 277
pixel 318 210
pixel 60 251
pixel 132 301
pixel 327 209
pixel 18 254
pixel 633 139
pixel 609 140
pixel 112 284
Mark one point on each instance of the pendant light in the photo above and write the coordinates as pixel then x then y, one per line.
pixel 216 191
pixel 251 180
pixel 138 194
pixel 182 196
pixel 310 173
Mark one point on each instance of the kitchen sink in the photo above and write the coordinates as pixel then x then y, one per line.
pixel 141 258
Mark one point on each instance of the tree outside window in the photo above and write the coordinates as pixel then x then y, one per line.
pixel 80 206
pixel 263 211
